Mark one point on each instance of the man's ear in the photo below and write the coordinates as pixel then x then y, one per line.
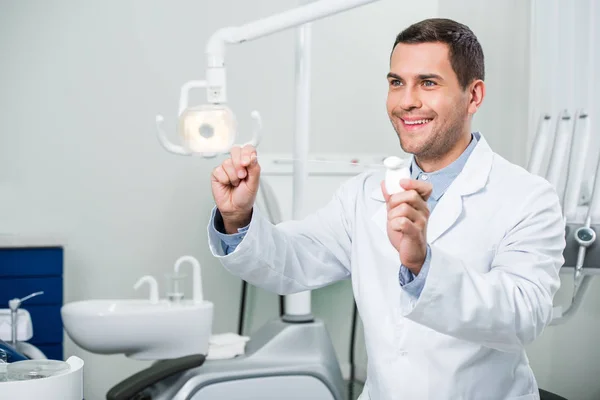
pixel 476 94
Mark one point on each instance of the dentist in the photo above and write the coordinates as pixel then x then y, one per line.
pixel 452 277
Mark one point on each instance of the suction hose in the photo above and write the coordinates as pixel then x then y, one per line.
pixel 351 355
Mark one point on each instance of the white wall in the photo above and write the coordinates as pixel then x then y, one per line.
pixel 502 28
pixel 82 81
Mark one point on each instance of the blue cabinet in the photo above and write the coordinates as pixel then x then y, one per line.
pixel 25 270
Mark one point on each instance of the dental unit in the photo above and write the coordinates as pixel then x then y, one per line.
pixel 565 169
pixel 585 237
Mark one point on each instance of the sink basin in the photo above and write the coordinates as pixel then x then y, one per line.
pixel 140 329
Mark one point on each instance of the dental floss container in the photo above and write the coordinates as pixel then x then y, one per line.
pixel 396 170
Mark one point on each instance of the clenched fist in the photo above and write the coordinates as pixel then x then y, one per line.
pixel 407 217
pixel 235 185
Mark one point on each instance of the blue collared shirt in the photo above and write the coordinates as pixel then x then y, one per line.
pixel 228 241
pixel 440 180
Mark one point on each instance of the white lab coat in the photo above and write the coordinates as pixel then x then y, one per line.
pixel 497 240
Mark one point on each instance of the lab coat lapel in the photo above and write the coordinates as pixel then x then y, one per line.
pixel 472 179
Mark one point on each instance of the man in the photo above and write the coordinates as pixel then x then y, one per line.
pixel 453 276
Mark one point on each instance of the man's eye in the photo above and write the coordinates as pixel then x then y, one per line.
pixel 429 83
pixel 395 82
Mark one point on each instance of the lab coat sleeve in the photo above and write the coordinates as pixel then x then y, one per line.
pixel 294 256
pixel 509 306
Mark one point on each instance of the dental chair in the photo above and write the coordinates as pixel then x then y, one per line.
pixel 544 395
pixel 283 360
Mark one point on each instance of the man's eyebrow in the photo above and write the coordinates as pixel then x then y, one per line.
pixel 430 76
pixel 421 77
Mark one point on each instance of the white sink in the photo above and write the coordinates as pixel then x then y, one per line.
pixel 151 329
pixel 140 329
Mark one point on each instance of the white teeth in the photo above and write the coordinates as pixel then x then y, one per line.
pixel 417 122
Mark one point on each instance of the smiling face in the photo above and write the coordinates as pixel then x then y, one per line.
pixel 426 104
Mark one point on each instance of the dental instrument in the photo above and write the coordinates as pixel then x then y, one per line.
pixel 585 235
pixel 576 193
pixel 561 151
pixel 538 159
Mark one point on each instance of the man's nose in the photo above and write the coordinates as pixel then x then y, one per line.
pixel 410 99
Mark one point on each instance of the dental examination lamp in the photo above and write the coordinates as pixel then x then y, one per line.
pixel 211 129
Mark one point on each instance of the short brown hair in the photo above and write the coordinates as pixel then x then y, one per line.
pixel 466 54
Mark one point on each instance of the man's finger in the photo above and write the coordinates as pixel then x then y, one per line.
pixel 405 210
pixel 236 158
pixel 231 172
pixel 423 188
pixel 412 198
pixel 404 225
pixel 248 153
pixel 220 176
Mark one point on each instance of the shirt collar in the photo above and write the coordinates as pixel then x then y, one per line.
pixel 443 178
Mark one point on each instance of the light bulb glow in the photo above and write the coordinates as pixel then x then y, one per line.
pixel 208 129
